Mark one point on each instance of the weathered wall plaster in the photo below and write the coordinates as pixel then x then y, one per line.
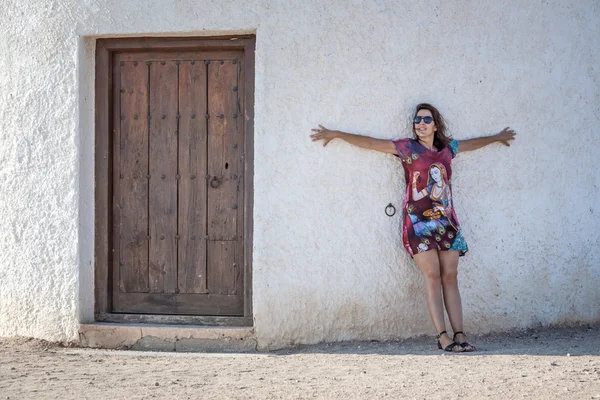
pixel 327 262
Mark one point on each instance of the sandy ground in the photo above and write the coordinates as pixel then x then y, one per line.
pixel 537 364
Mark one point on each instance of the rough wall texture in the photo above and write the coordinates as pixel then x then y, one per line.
pixel 328 264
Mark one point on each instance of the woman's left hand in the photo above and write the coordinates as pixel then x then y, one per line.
pixel 505 136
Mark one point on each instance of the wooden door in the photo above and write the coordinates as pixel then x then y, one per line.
pixel 178 179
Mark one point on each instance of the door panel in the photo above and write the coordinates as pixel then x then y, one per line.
pixel 163 171
pixel 192 184
pixel 223 147
pixel 223 257
pixel 180 304
pixel 178 196
pixel 132 199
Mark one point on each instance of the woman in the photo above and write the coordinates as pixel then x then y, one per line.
pixel 430 233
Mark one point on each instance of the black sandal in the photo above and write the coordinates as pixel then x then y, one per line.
pixel 450 348
pixel 465 344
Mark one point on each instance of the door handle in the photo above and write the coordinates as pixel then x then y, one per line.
pixel 214 182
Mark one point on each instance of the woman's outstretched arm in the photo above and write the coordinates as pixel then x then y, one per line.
pixel 504 137
pixel 366 142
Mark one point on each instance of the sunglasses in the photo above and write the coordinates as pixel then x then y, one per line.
pixel 427 120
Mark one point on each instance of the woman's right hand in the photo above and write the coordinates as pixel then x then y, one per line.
pixel 322 133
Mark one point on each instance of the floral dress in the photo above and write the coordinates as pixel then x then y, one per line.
pixel 429 218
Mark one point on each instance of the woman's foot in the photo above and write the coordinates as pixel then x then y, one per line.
pixel 461 339
pixel 447 344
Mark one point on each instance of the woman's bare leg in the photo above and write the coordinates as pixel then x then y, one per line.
pixel 429 263
pixel 449 273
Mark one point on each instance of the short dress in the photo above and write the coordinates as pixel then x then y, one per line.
pixel 428 215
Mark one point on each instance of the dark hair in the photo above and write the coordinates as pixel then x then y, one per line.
pixel 440 140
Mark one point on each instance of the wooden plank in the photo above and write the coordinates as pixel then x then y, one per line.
pixel 115 180
pixel 115 271
pixel 248 96
pixel 240 273
pixel 224 149
pixel 224 271
pixel 103 168
pixel 183 303
pixel 175 319
pixel 169 44
pixel 192 183
pixel 224 166
pixel 174 55
pixel 132 183
pixel 163 177
pixel 236 154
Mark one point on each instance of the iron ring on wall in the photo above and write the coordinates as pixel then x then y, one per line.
pixel 390 210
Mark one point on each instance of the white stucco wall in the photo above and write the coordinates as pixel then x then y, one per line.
pixel 327 262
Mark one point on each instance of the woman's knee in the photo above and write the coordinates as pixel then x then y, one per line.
pixel 450 277
pixel 429 264
pixel 432 275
